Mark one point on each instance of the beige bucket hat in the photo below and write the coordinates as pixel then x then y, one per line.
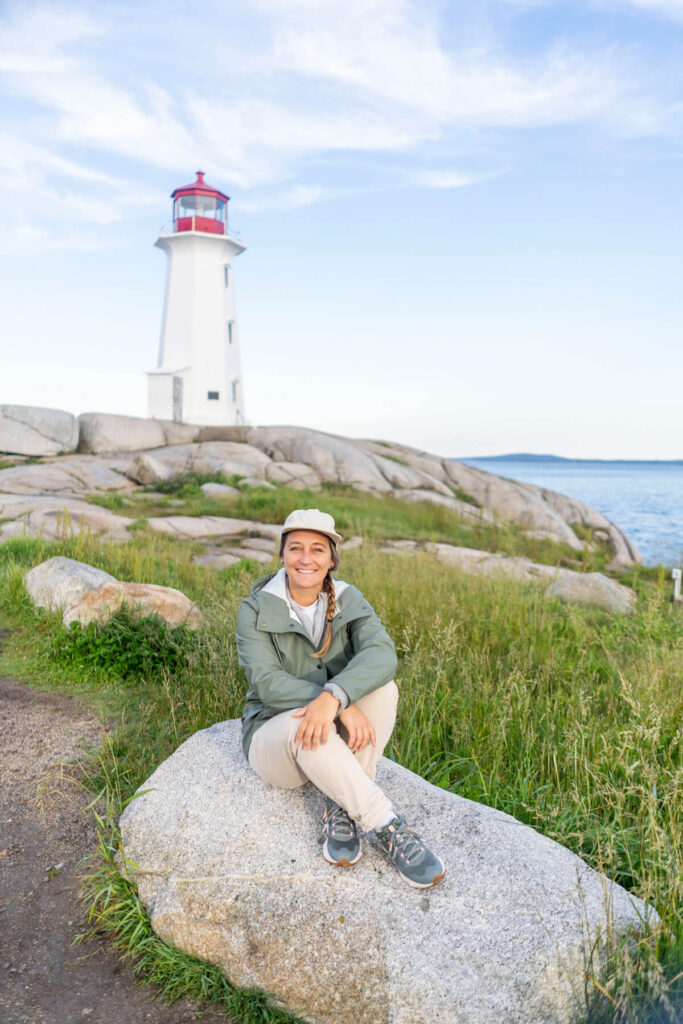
pixel 311 519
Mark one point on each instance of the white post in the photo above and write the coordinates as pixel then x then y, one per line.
pixel 676 577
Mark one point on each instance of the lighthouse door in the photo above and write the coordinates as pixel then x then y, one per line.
pixel 177 399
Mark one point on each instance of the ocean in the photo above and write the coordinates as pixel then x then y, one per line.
pixel 645 499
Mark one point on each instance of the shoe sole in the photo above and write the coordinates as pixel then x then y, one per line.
pixel 343 862
pixel 424 885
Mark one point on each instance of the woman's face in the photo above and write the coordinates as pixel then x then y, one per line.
pixel 307 557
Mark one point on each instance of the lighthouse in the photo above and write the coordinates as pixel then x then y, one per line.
pixel 197 378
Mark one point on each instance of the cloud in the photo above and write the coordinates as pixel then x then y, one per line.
pixel 296 85
pixel 445 179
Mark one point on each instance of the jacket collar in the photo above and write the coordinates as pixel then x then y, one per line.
pixel 275 611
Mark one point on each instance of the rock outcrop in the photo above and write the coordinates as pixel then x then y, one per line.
pixel 590 588
pixel 230 870
pixel 297 457
pixel 103 432
pixel 593 588
pixel 25 430
pixel 62 582
pixel 141 599
pixel 86 594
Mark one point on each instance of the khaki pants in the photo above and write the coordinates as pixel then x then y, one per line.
pixel 345 777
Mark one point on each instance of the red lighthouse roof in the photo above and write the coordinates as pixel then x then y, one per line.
pixel 199 188
pixel 199 207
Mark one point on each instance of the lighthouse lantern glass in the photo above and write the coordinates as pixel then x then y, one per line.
pixel 197 212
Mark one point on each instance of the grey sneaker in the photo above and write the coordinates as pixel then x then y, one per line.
pixel 415 862
pixel 342 845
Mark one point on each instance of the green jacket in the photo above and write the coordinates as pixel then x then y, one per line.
pixel 274 650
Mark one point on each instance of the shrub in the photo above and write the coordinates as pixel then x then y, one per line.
pixel 124 647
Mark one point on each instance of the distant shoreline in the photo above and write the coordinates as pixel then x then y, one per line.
pixel 530 457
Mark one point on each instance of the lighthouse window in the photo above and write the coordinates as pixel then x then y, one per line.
pixel 234 391
pixel 226 274
pixel 212 396
pixel 229 332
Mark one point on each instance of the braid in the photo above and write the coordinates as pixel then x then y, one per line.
pixel 328 587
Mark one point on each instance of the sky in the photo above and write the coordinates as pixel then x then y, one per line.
pixel 463 219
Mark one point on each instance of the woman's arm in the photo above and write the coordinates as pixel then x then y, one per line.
pixel 374 659
pixel 274 687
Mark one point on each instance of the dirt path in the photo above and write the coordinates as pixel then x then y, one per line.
pixel 44 832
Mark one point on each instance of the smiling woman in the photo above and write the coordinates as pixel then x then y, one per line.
pixel 321 704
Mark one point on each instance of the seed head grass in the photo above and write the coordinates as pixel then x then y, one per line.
pixel 566 717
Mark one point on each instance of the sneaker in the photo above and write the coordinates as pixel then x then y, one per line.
pixel 342 845
pixel 415 862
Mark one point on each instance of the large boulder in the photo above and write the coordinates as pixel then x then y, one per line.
pixel 56 518
pixel 335 459
pixel 593 588
pixel 148 470
pixel 142 599
pixel 73 474
pixel 103 432
pixel 26 430
pixel 230 870
pixel 61 582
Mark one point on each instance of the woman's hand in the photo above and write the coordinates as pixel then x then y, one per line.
pixel 317 716
pixel 358 726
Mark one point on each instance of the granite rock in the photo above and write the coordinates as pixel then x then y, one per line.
pixel 593 588
pixel 29 430
pixel 334 459
pixel 230 870
pixel 212 490
pixel 142 599
pixel 148 470
pixel 61 582
pixel 104 432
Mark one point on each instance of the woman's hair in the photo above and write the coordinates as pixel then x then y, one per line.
pixel 328 587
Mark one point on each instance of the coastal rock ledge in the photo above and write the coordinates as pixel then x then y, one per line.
pixel 230 870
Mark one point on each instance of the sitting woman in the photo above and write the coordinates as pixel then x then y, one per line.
pixel 321 704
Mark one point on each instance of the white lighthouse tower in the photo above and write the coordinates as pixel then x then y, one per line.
pixel 197 379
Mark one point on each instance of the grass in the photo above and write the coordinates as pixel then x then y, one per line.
pixel 355 512
pixel 565 717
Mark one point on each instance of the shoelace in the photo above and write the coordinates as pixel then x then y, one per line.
pixel 338 823
pixel 403 843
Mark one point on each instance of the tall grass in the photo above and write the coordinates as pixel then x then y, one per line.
pixel 566 717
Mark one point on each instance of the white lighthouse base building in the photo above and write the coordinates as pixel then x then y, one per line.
pixel 198 378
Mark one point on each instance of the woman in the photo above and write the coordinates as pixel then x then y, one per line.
pixel 321 703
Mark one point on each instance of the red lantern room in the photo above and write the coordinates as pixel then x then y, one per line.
pixel 198 207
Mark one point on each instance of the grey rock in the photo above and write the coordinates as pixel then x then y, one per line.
pixel 261 544
pixel 352 544
pixel 103 432
pixel 146 469
pixel 61 582
pixel 292 474
pixel 200 526
pixel 334 459
pixel 71 475
pixel 54 518
pixel 179 433
pixel 218 490
pixel 255 481
pixel 27 430
pixel 593 588
pixel 230 870
pixel 256 554
pixel 217 559
pixel 463 508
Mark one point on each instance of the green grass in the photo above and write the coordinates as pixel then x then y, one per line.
pixel 566 717
pixel 380 518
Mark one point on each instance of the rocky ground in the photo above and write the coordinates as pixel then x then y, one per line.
pixel 45 832
pixel 117 454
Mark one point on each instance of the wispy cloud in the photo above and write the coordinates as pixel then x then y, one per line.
pixel 379 80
